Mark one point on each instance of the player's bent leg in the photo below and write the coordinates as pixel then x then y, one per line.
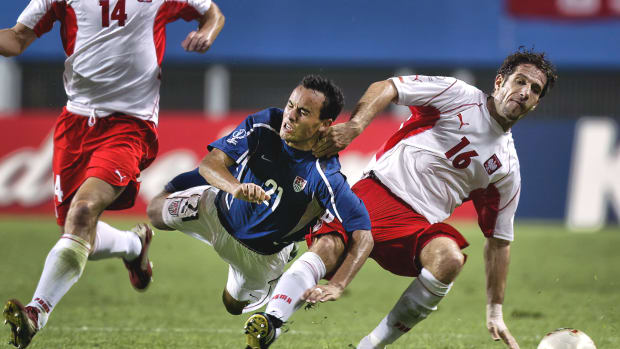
pixel 444 258
pixel 154 211
pixel 330 247
pixel 324 256
pixel 93 196
pixel 233 306
pixel 67 259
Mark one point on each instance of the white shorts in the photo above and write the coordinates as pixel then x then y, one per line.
pixel 251 276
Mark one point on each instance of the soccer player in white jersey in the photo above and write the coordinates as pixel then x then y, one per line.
pixel 456 146
pixel 105 135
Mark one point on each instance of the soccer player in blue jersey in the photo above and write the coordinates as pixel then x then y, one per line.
pixel 265 190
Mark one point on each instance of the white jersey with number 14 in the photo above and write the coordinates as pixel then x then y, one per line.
pixel 114 50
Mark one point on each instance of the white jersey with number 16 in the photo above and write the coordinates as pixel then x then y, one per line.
pixel 448 151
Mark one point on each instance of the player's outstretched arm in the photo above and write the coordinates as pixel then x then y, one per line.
pixel 359 249
pixel 210 26
pixel 497 259
pixel 13 41
pixel 376 98
pixel 214 168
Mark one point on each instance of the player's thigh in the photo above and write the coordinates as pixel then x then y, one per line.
pixel 251 275
pixel 193 212
pixel 91 198
pixel 154 211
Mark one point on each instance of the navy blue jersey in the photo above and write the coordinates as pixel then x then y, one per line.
pixel 300 185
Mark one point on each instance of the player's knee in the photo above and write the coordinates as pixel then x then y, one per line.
pixel 233 306
pixel 452 262
pixel 83 213
pixel 330 247
pixel 443 258
pixel 154 211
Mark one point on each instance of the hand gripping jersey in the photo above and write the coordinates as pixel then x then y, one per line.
pixel 451 150
pixel 300 185
pixel 114 50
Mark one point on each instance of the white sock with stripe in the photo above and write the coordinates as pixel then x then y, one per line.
pixel 111 242
pixel 415 304
pixel 303 274
pixel 63 267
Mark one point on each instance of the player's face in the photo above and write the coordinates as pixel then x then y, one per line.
pixel 301 123
pixel 518 94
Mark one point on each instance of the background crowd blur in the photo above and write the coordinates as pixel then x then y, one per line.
pixel 568 147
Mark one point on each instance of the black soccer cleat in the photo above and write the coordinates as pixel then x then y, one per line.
pixel 23 322
pixel 260 331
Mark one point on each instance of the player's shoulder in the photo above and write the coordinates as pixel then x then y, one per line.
pixel 449 83
pixel 328 165
pixel 270 118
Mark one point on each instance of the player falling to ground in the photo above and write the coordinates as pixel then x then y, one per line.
pixel 105 135
pixel 265 190
pixel 456 146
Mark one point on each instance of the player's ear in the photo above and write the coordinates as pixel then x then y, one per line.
pixel 325 123
pixel 499 80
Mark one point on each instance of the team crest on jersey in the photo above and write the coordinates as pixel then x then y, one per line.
pixel 492 164
pixel 299 184
pixel 236 136
pixel 173 209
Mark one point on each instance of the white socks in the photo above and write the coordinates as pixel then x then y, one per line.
pixel 415 304
pixel 63 267
pixel 111 242
pixel 67 259
pixel 303 274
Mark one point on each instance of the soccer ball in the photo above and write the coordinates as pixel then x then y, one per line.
pixel 566 338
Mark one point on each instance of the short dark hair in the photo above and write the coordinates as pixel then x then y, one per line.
pixel 334 99
pixel 525 56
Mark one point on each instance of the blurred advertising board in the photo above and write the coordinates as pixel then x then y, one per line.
pixel 565 9
pixel 569 168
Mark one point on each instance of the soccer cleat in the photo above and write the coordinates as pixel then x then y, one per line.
pixel 23 322
pixel 140 269
pixel 260 331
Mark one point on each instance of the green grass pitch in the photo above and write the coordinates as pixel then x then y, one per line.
pixel 557 279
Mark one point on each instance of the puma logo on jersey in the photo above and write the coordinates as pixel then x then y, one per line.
pixel 120 176
pixel 492 164
pixel 460 116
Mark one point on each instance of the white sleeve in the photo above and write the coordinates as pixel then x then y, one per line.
pixel 202 6
pixel 34 12
pixel 440 92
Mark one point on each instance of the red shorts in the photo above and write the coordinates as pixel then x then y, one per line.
pixel 115 149
pixel 399 232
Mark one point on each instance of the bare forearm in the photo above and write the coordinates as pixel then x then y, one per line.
pixel 359 250
pixel 214 169
pixel 497 260
pixel 212 22
pixel 14 41
pixel 376 98
pixel 10 45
